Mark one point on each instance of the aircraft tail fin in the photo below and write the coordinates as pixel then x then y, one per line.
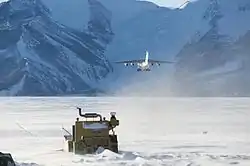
pixel 146 57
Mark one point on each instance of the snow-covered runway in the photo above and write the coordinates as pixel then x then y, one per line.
pixel 152 131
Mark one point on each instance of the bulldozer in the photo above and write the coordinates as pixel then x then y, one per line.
pixel 91 132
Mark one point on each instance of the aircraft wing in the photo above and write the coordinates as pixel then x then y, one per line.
pixel 131 61
pixel 158 62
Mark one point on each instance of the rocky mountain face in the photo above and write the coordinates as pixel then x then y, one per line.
pixel 216 64
pixel 202 37
pixel 40 56
pixel 50 52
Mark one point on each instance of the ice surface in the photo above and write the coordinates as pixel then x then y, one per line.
pixel 152 131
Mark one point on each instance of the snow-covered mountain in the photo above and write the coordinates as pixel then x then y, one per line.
pixel 208 38
pixel 216 63
pixel 40 56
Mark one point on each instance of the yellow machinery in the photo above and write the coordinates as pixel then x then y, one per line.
pixel 92 132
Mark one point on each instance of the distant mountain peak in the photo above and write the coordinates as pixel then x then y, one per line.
pixel 213 12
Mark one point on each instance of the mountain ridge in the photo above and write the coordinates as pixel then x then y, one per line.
pixel 211 52
pixel 49 54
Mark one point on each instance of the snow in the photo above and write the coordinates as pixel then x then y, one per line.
pixel 25 53
pixel 182 6
pixel 231 11
pixel 163 32
pixel 41 65
pixel 79 67
pixel 68 12
pixel 228 67
pixel 152 131
pixel 13 89
pixel 74 14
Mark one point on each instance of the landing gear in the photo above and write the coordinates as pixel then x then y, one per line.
pixel 139 69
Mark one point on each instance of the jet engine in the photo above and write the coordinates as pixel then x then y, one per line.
pixel 125 64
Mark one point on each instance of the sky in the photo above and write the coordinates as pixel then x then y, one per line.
pixel 169 3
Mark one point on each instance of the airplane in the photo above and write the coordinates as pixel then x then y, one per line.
pixel 143 64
